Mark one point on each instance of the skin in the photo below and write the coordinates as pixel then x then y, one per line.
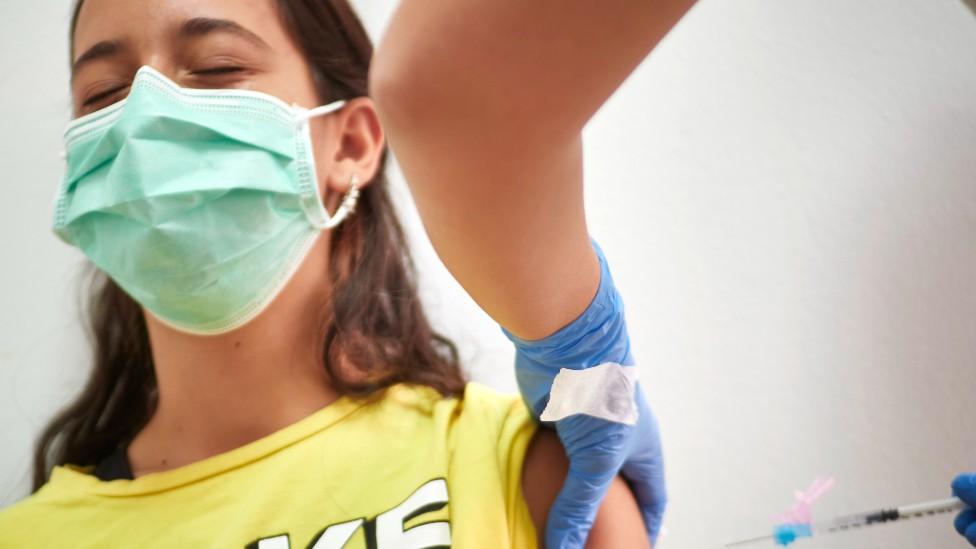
pixel 220 392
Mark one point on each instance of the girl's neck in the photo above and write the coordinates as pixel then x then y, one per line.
pixel 217 393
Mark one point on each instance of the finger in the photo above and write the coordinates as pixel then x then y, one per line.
pixel 970 534
pixel 965 520
pixel 571 515
pixel 644 470
pixel 964 487
pixel 646 480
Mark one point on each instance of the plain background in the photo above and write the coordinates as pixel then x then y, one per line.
pixel 786 194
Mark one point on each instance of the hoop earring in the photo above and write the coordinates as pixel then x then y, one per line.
pixel 352 195
pixel 348 204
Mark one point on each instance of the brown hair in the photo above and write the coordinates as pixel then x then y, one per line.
pixel 384 333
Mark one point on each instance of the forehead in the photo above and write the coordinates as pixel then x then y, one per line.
pixel 143 21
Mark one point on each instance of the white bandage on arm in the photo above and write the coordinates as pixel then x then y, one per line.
pixel 605 391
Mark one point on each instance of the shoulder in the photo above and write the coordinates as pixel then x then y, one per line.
pixel 618 522
pixel 481 416
pixel 492 410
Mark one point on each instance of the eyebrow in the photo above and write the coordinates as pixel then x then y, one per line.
pixel 201 26
pixel 106 48
pixel 192 28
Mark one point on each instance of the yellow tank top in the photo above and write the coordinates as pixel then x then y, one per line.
pixel 410 470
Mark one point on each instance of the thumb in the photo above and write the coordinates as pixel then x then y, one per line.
pixel 571 515
pixel 965 524
pixel 964 487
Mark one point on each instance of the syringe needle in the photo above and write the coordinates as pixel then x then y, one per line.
pixel 747 541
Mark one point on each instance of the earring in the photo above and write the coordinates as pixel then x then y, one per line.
pixel 352 195
pixel 345 208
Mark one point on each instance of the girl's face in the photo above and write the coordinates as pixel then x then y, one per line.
pixel 239 44
pixel 198 44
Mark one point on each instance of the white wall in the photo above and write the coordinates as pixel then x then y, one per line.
pixel 785 192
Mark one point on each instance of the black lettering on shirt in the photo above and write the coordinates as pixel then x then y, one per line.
pixel 386 530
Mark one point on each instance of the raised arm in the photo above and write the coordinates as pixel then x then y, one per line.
pixel 483 102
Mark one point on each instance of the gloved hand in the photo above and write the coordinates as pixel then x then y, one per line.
pixel 964 488
pixel 582 379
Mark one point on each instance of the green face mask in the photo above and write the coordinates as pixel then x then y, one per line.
pixel 200 204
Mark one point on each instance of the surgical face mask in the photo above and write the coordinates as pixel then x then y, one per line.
pixel 200 204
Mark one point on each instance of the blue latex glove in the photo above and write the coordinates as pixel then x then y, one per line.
pixel 597 448
pixel 964 488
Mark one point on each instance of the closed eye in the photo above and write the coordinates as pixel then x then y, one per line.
pixel 98 97
pixel 219 70
pixel 107 94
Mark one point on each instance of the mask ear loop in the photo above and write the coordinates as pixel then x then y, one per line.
pixel 304 115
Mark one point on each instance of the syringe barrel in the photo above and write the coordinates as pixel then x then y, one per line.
pixel 932 507
pixel 858 520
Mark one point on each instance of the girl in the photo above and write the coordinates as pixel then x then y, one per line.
pixel 264 375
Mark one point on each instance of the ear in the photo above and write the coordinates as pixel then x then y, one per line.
pixel 349 142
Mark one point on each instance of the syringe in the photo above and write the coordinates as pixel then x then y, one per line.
pixel 859 520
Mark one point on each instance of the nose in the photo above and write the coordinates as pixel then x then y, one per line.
pixel 159 63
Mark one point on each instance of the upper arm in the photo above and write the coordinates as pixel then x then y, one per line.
pixel 618 521
pixel 483 103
